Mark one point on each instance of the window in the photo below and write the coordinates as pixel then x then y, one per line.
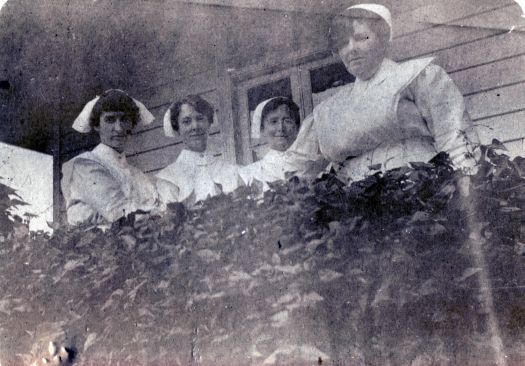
pixel 307 83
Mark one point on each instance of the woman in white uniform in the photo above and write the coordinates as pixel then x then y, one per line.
pixel 277 121
pixel 393 114
pixel 196 174
pixel 100 186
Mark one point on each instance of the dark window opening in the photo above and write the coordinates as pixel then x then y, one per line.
pixel 330 76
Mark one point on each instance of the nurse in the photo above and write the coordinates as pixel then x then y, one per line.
pixel 196 174
pixel 393 114
pixel 276 121
pixel 100 186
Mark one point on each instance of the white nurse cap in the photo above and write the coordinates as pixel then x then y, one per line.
pixel 168 128
pixel 82 124
pixel 257 118
pixel 378 9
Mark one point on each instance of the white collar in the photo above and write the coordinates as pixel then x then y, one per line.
pixel 272 154
pixel 196 158
pixel 381 74
pixel 109 154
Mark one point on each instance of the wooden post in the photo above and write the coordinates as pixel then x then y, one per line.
pixel 225 89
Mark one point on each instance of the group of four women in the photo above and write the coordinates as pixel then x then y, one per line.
pixel 393 114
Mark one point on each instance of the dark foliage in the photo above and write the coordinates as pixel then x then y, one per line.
pixel 398 269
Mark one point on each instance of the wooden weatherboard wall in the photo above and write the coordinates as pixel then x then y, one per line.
pixel 482 46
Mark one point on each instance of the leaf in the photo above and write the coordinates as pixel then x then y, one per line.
pixel 90 340
pixel 208 255
pixel 279 319
pixel 290 269
pixel 327 275
pixel 508 209
pixel 436 229
pixel 15 202
pixel 419 216
pixel 257 187
pixel 53 225
pixel 429 287
pixel 73 263
pixel 497 145
pixel 383 293
pixel 469 272
pixel 296 354
pixel 129 240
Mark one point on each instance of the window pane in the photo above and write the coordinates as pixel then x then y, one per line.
pixel 326 80
pixel 262 92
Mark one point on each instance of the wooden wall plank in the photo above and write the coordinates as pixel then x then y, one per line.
pixel 155 138
pixel 200 83
pixel 504 18
pixel 497 101
pixel 491 75
pixel 76 141
pixel 503 128
pixel 434 39
pixel 497 47
pixel 515 148
pixel 158 159
pixel 442 12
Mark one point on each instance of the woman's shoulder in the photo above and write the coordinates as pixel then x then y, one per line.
pixel 340 93
pixel 251 172
pixel 85 162
pixel 328 106
pixel 250 169
pixel 225 166
pixel 422 68
pixel 170 171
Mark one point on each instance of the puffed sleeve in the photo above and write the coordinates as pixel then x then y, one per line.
pixel 250 172
pixel 304 156
pixel 168 192
pixel 443 108
pixel 228 177
pixel 94 186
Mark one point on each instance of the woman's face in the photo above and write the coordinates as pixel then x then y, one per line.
pixel 279 128
pixel 193 128
pixel 363 51
pixel 114 129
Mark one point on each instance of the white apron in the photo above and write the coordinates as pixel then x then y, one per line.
pixel 365 126
pixel 88 200
pixel 196 176
pixel 271 168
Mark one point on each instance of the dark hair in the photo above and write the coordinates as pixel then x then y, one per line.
pixel 342 25
pixel 275 103
pixel 197 102
pixel 114 100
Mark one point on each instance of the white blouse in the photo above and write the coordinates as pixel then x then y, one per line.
pixel 195 177
pixel 273 167
pixel 406 112
pixel 100 187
